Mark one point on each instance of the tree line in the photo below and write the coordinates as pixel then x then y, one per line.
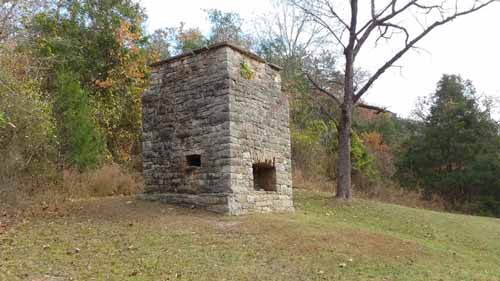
pixel 73 71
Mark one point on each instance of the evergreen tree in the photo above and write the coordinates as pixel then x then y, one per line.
pixel 456 152
pixel 81 142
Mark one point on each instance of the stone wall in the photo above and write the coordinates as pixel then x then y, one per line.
pixel 259 130
pixel 186 112
pixel 204 105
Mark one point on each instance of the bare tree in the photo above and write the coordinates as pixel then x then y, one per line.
pixel 287 36
pixel 9 10
pixel 293 31
pixel 399 22
pixel 291 38
pixel 12 13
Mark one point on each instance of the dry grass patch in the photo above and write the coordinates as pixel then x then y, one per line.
pixel 397 195
pixel 387 193
pixel 51 194
pixel 107 181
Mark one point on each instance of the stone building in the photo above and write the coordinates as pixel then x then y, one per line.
pixel 216 133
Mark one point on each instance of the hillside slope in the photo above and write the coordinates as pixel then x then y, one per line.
pixel 124 239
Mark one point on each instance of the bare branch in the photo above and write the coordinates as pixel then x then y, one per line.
pixel 328 113
pixel 318 19
pixel 329 28
pixel 379 20
pixel 337 101
pixel 395 26
pixel 332 11
pixel 412 43
pixel 374 16
pixel 323 90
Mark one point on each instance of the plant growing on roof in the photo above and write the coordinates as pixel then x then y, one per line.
pixel 247 70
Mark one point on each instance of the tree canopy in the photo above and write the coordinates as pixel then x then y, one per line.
pixel 455 153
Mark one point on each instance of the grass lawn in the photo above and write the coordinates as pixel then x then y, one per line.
pixel 124 239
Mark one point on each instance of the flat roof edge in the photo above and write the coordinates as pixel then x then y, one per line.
pixel 214 47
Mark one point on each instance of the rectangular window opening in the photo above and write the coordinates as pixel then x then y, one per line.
pixel 264 177
pixel 193 160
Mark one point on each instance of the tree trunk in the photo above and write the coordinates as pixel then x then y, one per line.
pixel 344 153
pixel 344 156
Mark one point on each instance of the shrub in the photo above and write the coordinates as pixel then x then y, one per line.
pixel 27 135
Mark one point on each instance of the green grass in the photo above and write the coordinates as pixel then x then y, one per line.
pixel 125 239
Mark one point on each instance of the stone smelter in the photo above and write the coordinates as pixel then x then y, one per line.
pixel 216 133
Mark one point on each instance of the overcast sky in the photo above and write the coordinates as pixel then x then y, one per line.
pixel 469 46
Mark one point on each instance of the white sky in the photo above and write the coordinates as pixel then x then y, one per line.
pixel 469 46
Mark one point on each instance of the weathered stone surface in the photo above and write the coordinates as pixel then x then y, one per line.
pixel 215 138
